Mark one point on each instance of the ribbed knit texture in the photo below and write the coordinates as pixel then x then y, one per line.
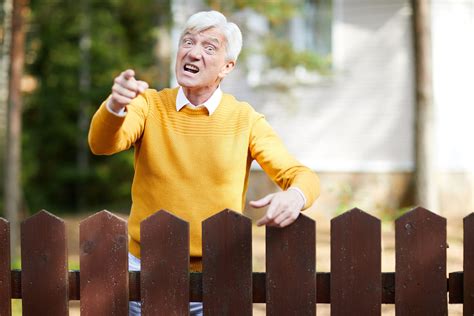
pixel 192 164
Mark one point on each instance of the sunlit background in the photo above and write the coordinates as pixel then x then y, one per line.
pixel 335 78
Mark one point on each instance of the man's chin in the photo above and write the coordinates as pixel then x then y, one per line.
pixel 186 82
pixel 187 85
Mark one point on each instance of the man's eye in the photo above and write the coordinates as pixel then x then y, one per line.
pixel 187 42
pixel 210 49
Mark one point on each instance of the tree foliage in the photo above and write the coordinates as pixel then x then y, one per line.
pixel 277 11
pixel 122 35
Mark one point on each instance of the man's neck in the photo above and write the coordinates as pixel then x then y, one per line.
pixel 197 97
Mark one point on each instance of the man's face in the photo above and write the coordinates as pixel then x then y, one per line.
pixel 201 60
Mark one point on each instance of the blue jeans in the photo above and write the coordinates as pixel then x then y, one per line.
pixel 135 308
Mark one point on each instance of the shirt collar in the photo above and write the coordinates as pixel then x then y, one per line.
pixel 211 104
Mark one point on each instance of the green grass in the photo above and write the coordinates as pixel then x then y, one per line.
pixel 16 307
pixel 72 264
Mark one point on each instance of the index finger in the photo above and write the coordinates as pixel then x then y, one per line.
pixel 129 73
pixel 263 221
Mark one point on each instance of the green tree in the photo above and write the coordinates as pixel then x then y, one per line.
pixel 118 34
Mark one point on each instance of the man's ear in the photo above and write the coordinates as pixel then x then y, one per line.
pixel 229 66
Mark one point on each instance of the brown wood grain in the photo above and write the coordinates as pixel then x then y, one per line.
pixel 468 279
pixel 44 282
pixel 259 287
pixel 104 265
pixel 164 242
pixel 290 266
pixel 227 264
pixel 5 275
pixel 420 277
pixel 356 285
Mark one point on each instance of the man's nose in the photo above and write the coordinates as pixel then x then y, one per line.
pixel 195 52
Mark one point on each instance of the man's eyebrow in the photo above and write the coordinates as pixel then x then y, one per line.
pixel 213 39
pixel 187 34
pixel 208 38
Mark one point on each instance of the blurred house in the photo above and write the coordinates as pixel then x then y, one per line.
pixel 355 126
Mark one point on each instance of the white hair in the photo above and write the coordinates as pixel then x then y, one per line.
pixel 204 20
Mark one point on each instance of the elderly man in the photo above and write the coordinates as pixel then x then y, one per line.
pixel 194 144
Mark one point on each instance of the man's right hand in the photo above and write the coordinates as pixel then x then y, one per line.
pixel 125 89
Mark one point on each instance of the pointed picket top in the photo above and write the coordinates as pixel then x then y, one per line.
pixel 225 214
pixel 420 263
pixel 356 266
pixel 304 220
pixel 5 275
pixel 469 219
pixel 468 265
pixel 42 215
pixel 227 264
pixel 161 215
pixel 4 230
pixel 44 278
pixel 298 229
pixel 355 214
pixel 420 212
pixel 103 215
pixel 104 265
pixel 291 268
pixel 164 243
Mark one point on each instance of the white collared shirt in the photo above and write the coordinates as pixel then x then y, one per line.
pixel 211 104
pixel 181 101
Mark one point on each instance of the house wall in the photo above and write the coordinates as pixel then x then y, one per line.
pixel 453 69
pixel 361 118
pixel 355 128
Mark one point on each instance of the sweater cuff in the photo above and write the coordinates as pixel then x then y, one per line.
pixel 110 118
pixel 122 112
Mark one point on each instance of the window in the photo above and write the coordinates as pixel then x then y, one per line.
pixel 293 47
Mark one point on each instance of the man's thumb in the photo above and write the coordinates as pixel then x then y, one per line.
pixel 142 85
pixel 262 202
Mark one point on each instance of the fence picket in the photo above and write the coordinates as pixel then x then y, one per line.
pixel 5 274
pixel 164 276
pixel 227 285
pixel 44 278
pixel 420 278
pixel 356 285
pixel 104 265
pixel 227 264
pixel 291 265
pixel 468 284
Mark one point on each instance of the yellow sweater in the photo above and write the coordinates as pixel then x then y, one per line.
pixel 192 164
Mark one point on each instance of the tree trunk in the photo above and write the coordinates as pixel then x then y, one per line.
pixel 82 157
pixel 4 78
pixel 13 152
pixel 425 177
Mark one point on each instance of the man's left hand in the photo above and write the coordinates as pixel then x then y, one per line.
pixel 284 208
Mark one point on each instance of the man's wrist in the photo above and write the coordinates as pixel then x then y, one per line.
pixel 300 193
pixel 109 107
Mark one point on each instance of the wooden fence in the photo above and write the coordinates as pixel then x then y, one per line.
pixel 227 285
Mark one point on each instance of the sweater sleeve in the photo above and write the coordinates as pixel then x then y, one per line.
pixel 271 154
pixel 109 133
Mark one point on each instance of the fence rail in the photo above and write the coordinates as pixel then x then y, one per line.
pixel 227 285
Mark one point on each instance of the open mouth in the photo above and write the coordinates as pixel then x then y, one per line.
pixel 191 68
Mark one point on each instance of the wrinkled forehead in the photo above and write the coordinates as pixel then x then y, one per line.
pixel 211 34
